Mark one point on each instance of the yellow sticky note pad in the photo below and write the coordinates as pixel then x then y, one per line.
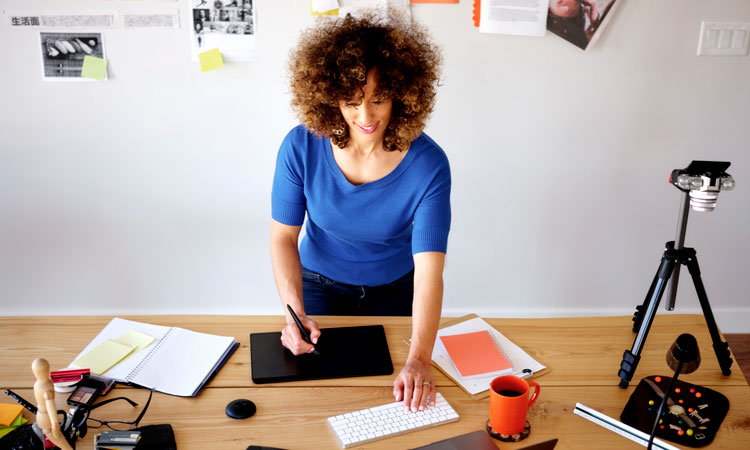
pixel 211 60
pixel 9 413
pixel 134 339
pixel 94 68
pixel 102 357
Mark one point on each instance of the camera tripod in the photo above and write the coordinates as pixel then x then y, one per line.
pixel 674 256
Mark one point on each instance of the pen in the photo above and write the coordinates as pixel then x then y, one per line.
pixel 21 401
pixel 302 330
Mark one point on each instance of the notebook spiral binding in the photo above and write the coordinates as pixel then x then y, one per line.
pixel 145 360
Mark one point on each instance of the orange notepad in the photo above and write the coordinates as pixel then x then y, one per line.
pixel 476 354
pixel 9 413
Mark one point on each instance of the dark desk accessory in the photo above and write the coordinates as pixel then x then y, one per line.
pixel 344 352
pixel 693 413
pixel 81 419
pixel 86 391
pixel 700 184
pixel 240 409
pixel 546 445
pixel 261 447
pixel 475 440
pixel 156 437
pixel 22 438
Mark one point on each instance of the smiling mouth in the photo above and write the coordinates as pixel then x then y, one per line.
pixel 368 129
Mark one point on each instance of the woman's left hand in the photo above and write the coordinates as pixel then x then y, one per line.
pixel 414 384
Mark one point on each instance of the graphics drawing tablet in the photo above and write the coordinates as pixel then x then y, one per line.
pixel 344 352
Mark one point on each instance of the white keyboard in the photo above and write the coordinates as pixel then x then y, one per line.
pixel 388 420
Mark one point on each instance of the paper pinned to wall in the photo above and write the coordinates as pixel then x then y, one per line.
pixel 63 54
pixel 151 19
pixel 517 17
pixel 228 25
pixel 61 19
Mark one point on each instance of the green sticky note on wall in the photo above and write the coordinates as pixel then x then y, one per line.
pixel 94 68
pixel 211 60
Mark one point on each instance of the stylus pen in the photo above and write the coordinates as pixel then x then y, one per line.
pixel 21 401
pixel 302 330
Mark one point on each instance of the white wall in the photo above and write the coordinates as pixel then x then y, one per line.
pixel 150 193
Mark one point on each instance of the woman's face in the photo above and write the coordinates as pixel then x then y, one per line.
pixel 564 8
pixel 367 116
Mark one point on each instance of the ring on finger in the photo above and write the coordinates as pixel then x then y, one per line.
pixel 427 383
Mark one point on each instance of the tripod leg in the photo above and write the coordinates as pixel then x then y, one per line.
pixel 631 357
pixel 640 309
pixel 720 348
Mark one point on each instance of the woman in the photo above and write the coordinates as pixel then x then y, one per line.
pixel 376 190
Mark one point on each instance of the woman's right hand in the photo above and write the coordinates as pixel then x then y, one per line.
pixel 291 337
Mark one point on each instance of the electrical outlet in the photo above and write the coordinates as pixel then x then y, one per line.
pixel 724 38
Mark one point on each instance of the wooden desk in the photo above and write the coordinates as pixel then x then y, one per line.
pixel 583 354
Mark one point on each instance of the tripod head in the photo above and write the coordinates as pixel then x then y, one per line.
pixel 700 183
pixel 703 180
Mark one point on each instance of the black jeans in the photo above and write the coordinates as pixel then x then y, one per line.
pixel 324 296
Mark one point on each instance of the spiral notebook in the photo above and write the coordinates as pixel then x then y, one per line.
pixel 178 361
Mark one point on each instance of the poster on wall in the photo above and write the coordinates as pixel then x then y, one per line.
pixel 228 25
pixel 580 22
pixel 63 54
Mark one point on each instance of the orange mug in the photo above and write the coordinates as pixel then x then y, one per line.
pixel 509 403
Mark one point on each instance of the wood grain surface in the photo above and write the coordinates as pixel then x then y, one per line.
pixel 583 354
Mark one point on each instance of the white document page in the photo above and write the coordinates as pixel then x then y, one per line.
pixel 474 385
pixel 519 17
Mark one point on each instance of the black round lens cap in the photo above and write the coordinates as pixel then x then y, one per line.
pixel 240 409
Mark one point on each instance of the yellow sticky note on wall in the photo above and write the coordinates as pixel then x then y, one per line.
pixel 211 60
pixel 102 357
pixel 94 68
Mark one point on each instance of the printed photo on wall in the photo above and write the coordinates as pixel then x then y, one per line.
pixel 63 53
pixel 580 22
pixel 228 25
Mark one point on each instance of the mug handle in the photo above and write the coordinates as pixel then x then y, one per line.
pixel 536 387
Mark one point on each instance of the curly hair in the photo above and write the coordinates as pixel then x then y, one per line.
pixel 331 62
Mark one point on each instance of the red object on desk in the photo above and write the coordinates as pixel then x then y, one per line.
pixel 64 376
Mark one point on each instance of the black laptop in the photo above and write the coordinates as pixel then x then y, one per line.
pixel 479 440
